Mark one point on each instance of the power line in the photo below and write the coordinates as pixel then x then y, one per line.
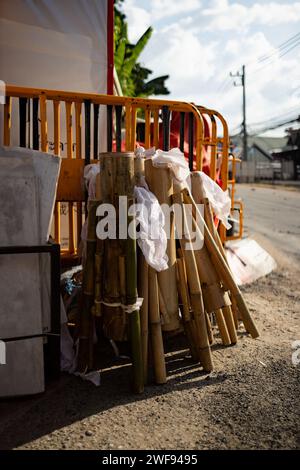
pixel 275 126
pixel 281 54
pixel 270 120
pixel 285 44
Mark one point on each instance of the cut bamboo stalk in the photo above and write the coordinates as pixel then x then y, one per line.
pixel 214 296
pixel 163 309
pixel 203 347
pixel 186 314
pixel 228 316
pixel 117 179
pixel 222 327
pixel 158 355
pixel 224 271
pixel 134 317
pixel 85 328
pixel 143 292
pixel 160 183
pixel 209 329
pixel 198 195
pixel 235 312
pixel 122 277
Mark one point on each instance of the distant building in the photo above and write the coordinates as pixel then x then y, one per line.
pixel 260 149
pixel 290 152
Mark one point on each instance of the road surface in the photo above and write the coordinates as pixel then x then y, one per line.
pixel 272 217
pixel 250 401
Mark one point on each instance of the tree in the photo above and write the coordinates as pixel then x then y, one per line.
pixel 133 76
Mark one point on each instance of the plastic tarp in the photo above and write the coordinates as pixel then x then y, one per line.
pixel 57 45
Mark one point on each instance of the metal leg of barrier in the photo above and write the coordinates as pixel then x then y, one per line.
pixel 52 346
pixel 166 127
pixel 22 119
pixel 118 128
pixel 35 124
pixel 181 131
pixel 109 127
pixel 96 130
pixel 191 141
pixel 87 122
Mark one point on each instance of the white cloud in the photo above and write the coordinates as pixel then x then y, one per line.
pixel 138 20
pixel 166 8
pixel 179 52
pixel 238 17
pixel 199 59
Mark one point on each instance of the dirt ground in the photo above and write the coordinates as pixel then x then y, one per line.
pixel 250 401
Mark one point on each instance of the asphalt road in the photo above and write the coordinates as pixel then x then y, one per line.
pixel 272 216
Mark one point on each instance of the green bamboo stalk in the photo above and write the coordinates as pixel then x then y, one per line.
pixel 85 358
pixel 134 317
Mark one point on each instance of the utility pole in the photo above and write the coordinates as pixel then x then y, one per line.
pixel 242 83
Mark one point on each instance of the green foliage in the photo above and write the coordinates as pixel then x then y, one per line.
pixel 132 75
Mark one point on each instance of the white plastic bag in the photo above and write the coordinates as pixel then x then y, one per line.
pixel 219 199
pixel 151 238
pixel 175 160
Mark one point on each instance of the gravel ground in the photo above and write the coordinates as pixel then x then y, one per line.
pixel 250 401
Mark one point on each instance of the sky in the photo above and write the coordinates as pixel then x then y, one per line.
pixel 199 42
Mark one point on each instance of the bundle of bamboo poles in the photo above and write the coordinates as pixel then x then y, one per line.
pixel 197 294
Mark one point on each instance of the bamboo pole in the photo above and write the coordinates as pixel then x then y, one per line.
pixel 214 297
pixel 222 327
pixel 198 194
pixel 229 320
pixel 203 347
pixel 143 292
pixel 85 327
pixel 117 179
pixel 224 271
pixel 209 329
pixel 160 183
pixel 186 314
pixel 159 364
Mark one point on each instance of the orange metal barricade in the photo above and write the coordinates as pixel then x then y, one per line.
pixel 219 143
pixel 62 112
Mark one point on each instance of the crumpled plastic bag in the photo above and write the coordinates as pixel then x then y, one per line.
pixel 219 199
pixel 151 238
pixel 175 160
